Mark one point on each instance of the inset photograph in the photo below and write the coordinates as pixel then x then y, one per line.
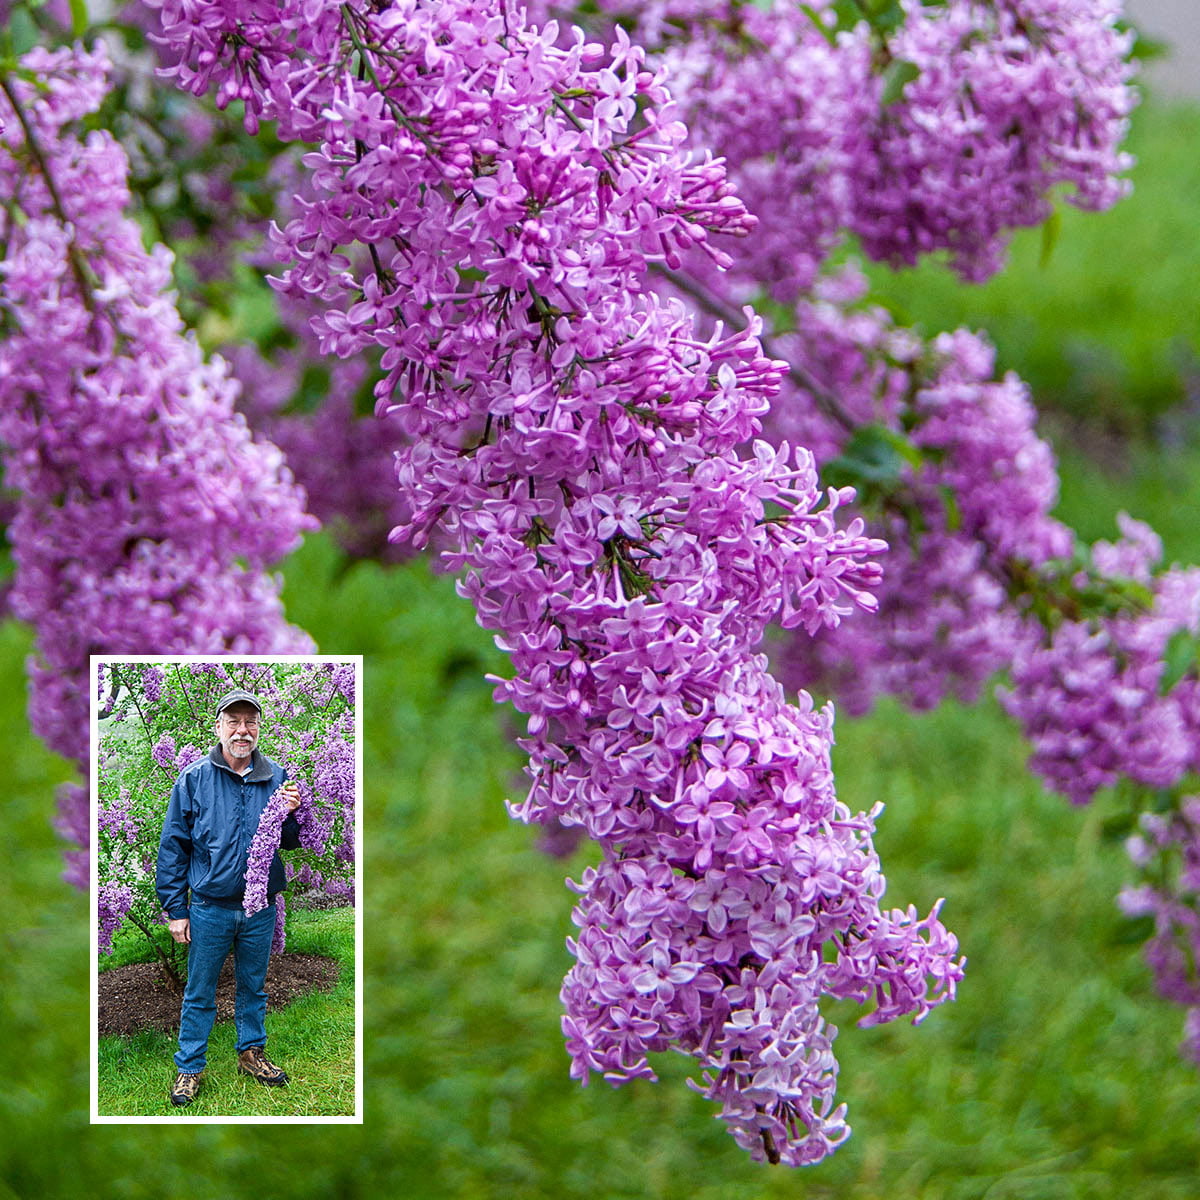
pixel 227 964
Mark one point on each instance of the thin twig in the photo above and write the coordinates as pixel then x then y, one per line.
pixel 172 973
pixel 801 376
pixel 39 158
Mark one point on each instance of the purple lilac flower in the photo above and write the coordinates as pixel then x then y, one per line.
pixel 116 821
pixel 585 458
pixel 113 901
pixel 263 847
pixel 1011 99
pixel 152 679
pixel 164 752
pixel 1166 851
pixel 100 385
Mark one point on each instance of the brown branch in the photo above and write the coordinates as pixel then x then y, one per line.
pixel 39 158
pixel 166 964
pixel 801 376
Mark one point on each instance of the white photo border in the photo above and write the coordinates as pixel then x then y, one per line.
pixel 180 1118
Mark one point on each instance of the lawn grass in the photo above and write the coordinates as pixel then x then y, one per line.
pixel 312 1038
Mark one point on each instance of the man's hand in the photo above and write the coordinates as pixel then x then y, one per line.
pixel 293 794
pixel 181 929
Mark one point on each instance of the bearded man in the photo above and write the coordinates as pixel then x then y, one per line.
pixel 212 816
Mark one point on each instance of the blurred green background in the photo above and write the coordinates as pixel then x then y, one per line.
pixel 1054 1075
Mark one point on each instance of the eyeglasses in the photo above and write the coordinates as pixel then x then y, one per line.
pixel 236 722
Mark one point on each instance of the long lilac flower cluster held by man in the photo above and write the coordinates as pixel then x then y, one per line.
pixel 262 851
pixel 486 203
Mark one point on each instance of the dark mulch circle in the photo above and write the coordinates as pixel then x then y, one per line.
pixel 138 996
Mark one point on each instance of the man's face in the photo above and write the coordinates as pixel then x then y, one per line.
pixel 237 729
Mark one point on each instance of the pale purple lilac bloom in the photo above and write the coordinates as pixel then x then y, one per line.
pixel 134 475
pixel 580 453
pixel 263 847
pixel 152 680
pixel 113 901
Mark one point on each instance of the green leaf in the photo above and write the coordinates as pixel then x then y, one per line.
pixel 22 32
pixel 1145 46
pixel 312 390
pixel 1119 826
pixel 1051 229
pixel 823 29
pixel 875 456
pixel 886 16
pixel 79 18
pixel 950 504
pixel 1180 657
pixel 1131 932
pixel 898 75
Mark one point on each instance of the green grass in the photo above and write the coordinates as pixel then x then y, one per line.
pixel 312 1038
pixel 1108 328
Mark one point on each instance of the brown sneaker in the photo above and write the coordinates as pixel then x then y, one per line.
pixel 186 1087
pixel 255 1062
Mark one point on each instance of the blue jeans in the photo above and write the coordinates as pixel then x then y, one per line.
pixel 214 930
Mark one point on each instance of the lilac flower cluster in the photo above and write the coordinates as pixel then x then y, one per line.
pixel 1167 851
pixel 147 513
pixel 333 788
pixel 943 132
pixel 576 451
pixel 1011 99
pixel 1092 696
pixel 263 846
pixel 974 494
pixel 115 820
pixel 164 752
pixel 790 112
pixel 152 680
pixel 113 901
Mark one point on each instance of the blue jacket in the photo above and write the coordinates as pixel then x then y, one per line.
pixel 211 818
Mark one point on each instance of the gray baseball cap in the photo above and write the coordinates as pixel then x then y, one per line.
pixel 238 695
